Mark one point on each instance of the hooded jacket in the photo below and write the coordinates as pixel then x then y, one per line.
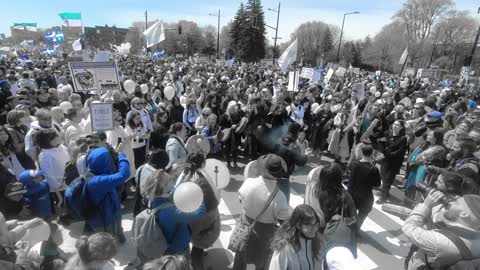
pixel 37 196
pixel 30 148
pixel 101 189
pixel 289 258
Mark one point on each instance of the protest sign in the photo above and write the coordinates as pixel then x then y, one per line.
pixel 356 71
pixel 307 73
pixel 360 88
pixel 293 77
pixel 425 73
pixel 316 76
pixel 409 72
pixel 102 56
pixel 340 72
pixel 102 116
pixel 328 76
pixel 94 76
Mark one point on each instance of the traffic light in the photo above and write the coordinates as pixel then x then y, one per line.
pixel 179 29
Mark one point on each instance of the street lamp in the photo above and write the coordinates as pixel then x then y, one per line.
pixel 276 32
pixel 341 33
pixel 218 32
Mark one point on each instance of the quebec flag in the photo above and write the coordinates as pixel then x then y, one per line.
pixel 158 54
pixel 54 36
pixel 51 50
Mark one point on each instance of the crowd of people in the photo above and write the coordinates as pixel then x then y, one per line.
pixel 56 170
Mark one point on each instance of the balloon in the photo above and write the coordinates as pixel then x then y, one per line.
pixel 37 234
pixel 188 197
pixel 144 88
pixel 129 86
pixel 169 92
pixel 217 172
pixel 314 107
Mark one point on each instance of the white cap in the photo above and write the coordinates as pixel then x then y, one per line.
pixel 419 100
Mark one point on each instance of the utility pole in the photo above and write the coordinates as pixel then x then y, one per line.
pixel 341 33
pixel 218 33
pixel 146 20
pixel 276 34
pixel 469 58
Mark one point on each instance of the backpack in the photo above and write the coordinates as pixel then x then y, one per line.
pixel 71 172
pixel 76 197
pixel 147 234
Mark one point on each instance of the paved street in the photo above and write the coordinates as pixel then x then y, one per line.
pixel 383 246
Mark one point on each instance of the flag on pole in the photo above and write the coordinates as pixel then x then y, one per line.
pixel 25 26
pixel 288 57
pixel 154 34
pixel 230 62
pixel 71 19
pixel 77 45
pixel 156 55
pixel 404 56
pixel 54 36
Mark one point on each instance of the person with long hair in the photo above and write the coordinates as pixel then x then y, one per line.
pixel 298 242
pixel 231 119
pixel 136 129
pixel 326 194
pixel 210 131
pixel 431 152
pixel 175 110
pixel 190 114
pixel 394 152
pixel 159 135
pixel 9 159
pixel 175 146
pixel 93 252
pixel 168 262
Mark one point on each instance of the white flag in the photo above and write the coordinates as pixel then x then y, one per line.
pixel 404 56
pixel 77 45
pixel 154 34
pixel 288 57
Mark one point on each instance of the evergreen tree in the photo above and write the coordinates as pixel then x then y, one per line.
pixel 253 45
pixel 237 30
pixel 327 43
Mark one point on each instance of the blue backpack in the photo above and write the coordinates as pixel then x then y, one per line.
pixel 76 196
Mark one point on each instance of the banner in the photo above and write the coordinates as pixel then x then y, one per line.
pixel 101 115
pixel 404 56
pixel 288 57
pixel 356 71
pixel 94 76
pixel 340 72
pixel 25 26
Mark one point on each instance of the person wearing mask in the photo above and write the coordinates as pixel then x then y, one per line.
pixel 93 252
pixel 298 242
pixel 436 244
pixel 175 146
pixel 364 176
pixel 394 152
pixel 255 193
pixel 44 122
pixel 106 171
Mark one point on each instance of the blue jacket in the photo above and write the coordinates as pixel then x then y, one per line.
pixel 37 196
pixel 176 225
pixel 101 189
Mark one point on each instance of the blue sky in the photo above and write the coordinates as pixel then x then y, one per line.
pixel 373 13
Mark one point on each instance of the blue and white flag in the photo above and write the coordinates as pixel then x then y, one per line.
pixel 51 50
pixel 54 36
pixel 158 54
pixel 230 62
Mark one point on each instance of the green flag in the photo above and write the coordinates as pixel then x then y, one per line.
pixel 71 19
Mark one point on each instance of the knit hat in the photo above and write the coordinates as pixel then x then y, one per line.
pixel 473 203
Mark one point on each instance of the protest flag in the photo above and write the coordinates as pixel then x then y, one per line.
pixel 25 26
pixel 71 19
pixel 154 34
pixel 77 45
pixel 404 56
pixel 158 54
pixel 54 36
pixel 288 57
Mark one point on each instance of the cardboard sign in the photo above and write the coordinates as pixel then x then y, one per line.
pixel 307 73
pixel 340 72
pixel 316 76
pixel 94 76
pixel 410 72
pixel 360 88
pixel 102 116
pixel 425 73
pixel 328 76
pixel 356 71
pixel 293 77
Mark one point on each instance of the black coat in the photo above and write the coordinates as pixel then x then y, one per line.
pixel 394 152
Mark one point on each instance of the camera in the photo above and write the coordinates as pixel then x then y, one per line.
pixel 425 190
